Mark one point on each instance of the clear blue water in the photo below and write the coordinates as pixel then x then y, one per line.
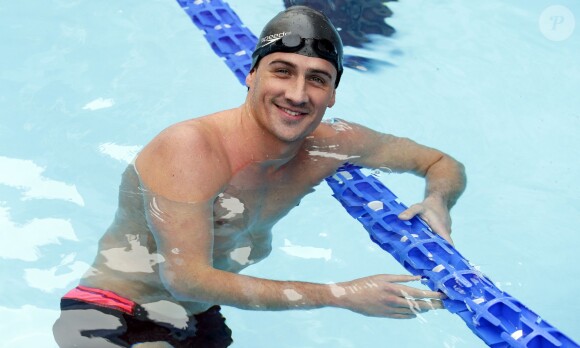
pixel 85 84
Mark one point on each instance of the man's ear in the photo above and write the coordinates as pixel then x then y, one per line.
pixel 250 78
pixel 332 99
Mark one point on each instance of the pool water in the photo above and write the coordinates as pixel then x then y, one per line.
pixel 85 84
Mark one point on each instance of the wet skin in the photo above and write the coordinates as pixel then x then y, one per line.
pixel 240 238
pixel 201 200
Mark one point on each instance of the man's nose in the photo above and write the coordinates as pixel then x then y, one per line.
pixel 296 92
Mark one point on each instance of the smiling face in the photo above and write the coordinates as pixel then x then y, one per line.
pixel 289 94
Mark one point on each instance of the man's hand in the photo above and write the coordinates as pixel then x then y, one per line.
pixel 381 296
pixel 435 213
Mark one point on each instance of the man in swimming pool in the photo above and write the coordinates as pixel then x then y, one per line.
pixel 199 203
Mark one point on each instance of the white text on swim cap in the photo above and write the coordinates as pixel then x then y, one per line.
pixel 271 38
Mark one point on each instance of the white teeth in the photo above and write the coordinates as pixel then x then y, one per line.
pixel 293 113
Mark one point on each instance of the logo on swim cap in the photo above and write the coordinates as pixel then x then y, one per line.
pixel 272 38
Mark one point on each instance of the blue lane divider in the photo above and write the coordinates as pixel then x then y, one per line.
pixel 225 33
pixel 497 318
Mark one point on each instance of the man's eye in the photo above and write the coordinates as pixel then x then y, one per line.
pixel 318 79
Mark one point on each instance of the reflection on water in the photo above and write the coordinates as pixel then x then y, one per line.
pixel 357 21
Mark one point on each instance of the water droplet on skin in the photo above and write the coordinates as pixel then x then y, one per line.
pixel 337 291
pixel 292 295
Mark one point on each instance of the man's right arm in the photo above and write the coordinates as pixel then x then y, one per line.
pixel 184 173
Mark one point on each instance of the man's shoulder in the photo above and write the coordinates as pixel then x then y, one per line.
pixel 337 130
pixel 184 136
pixel 346 139
pixel 201 134
pixel 185 161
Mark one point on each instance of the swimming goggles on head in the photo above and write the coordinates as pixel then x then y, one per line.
pixel 311 47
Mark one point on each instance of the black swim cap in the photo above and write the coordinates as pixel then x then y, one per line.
pixel 301 30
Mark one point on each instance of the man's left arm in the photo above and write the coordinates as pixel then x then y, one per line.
pixel 445 176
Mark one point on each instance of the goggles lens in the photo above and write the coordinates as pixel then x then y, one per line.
pixel 291 41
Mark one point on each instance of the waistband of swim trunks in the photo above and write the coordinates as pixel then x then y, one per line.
pixel 103 298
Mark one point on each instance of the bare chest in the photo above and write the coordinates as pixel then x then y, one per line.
pixel 256 208
pixel 243 219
